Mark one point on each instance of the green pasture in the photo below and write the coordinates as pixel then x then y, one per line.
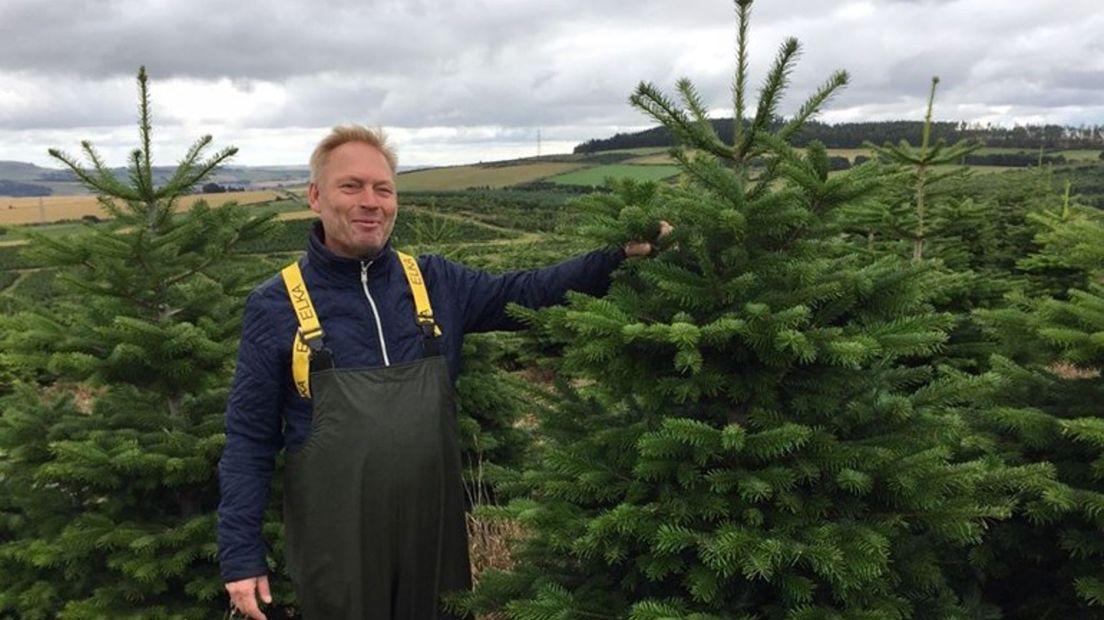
pixel 644 150
pixel 597 175
pixel 1079 155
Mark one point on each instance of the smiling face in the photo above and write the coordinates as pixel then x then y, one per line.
pixel 354 196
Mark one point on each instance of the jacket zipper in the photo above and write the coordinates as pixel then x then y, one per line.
pixel 364 265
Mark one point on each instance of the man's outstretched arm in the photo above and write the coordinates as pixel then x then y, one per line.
pixel 484 297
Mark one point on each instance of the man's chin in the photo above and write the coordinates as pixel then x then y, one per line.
pixel 359 251
pixel 371 249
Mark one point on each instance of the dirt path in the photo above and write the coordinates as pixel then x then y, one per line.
pixel 23 273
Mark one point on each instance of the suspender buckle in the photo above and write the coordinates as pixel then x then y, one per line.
pixel 313 339
pixel 321 358
pixel 428 325
pixel 430 333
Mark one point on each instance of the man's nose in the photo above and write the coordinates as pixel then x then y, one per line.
pixel 369 199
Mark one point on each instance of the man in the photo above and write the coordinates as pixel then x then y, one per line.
pixel 373 507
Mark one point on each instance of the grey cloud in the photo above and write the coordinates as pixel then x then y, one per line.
pixel 1079 79
pixel 209 39
pixel 521 65
pixel 67 104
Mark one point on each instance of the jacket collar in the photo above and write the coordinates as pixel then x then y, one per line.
pixel 324 259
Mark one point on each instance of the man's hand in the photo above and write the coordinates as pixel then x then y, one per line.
pixel 644 248
pixel 243 596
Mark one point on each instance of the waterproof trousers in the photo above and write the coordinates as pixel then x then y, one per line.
pixel 374 508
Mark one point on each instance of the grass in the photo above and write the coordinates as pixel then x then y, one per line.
pixel 489 543
pixel 988 169
pixel 597 175
pixel 463 177
pixel 850 154
pixel 1080 155
pixel 643 150
pixel 654 159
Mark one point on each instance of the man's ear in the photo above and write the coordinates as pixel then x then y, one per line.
pixel 312 197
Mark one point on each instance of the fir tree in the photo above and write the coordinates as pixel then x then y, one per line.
pixel 108 465
pixel 1065 255
pixel 489 403
pixel 919 211
pixel 920 214
pixel 986 242
pixel 755 427
pixel 1049 561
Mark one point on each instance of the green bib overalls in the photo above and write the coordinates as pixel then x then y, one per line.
pixel 374 508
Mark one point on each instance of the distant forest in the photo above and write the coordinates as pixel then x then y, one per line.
pixel 855 135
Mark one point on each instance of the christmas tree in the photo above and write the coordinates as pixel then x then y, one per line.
pixel 489 403
pixel 108 461
pixel 752 424
pixel 917 212
pixel 923 213
pixel 1049 561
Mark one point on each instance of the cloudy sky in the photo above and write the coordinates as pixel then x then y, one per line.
pixel 458 81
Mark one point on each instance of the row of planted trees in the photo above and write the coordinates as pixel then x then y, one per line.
pixel 856 395
pixel 851 396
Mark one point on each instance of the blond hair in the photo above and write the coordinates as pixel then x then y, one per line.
pixel 343 134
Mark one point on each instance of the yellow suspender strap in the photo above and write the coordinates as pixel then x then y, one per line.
pixel 309 335
pixel 422 307
pixel 310 330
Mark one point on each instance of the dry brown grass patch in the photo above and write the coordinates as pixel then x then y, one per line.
pixel 84 396
pixel 489 544
pixel 1066 370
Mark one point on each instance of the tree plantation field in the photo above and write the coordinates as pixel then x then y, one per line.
pixel 508 229
pixel 463 177
pixel 831 392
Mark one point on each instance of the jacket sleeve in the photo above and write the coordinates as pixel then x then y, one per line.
pixel 484 297
pixel 253 436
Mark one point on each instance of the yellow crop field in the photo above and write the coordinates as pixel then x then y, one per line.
pixel 33 210
pixel 462 177
pixel 850 154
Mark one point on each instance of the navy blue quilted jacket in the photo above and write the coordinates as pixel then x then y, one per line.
pixel 367 313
